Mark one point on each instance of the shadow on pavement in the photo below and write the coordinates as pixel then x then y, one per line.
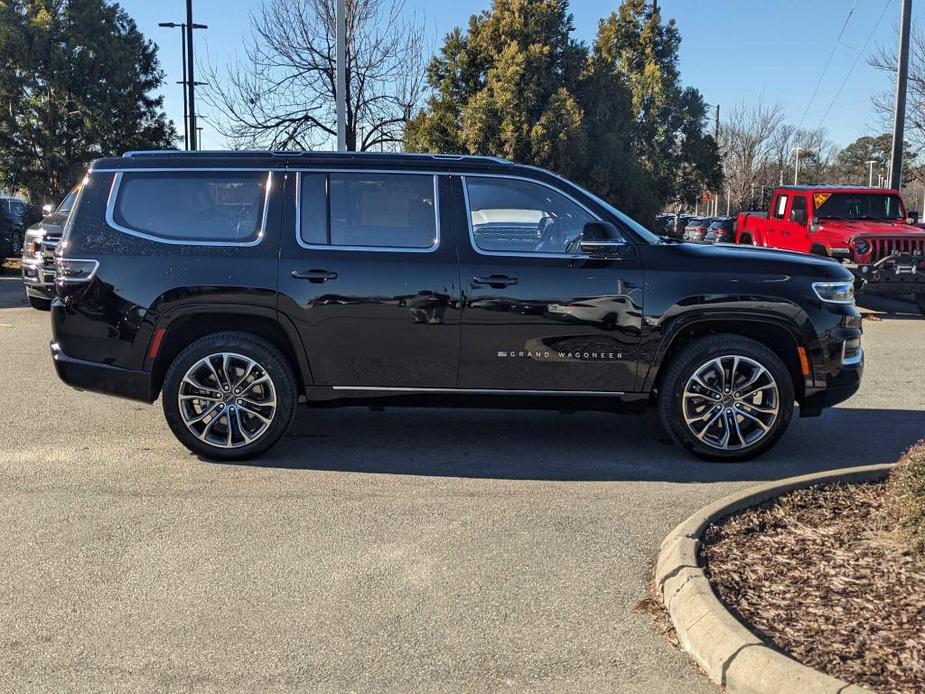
pixel 12 294
pixel 581 447
pixel 889 307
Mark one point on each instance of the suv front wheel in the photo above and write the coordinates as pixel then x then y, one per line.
pixel 229 396
pixel 726 398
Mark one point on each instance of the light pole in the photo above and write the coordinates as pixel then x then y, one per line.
pixel 341 70
pixel 182 28
pixel 870 164
pixel 189 83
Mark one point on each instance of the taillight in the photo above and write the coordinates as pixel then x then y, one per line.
pixel 70 271
pixel 72 277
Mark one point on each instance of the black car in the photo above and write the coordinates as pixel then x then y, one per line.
pixel 38 262
pixel 233 284
pixel 15 216
pixel 721 230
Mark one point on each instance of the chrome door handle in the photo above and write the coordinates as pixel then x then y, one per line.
pixel 495 281
pixel 316 276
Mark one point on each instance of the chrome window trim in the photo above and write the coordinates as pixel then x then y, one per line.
pixel 375 249
pixel 479 391
pixel 514 254
pixel 114 196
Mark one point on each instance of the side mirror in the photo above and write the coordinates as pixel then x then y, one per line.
pixel 913 217
pixel 47 209
pixel 798 216
pixel 600 238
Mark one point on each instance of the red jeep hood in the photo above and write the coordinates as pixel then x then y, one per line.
pixel 868 227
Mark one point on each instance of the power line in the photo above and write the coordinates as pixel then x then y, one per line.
pixel 827 64
pixel 854 64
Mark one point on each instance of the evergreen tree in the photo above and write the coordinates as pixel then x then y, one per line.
pixel 76 78
pixel 517 85
pixel 669 136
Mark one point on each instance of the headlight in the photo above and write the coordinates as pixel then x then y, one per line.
pixel 835 292
pixel 862 246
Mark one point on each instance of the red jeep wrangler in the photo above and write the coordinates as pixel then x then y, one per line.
pixel 864 228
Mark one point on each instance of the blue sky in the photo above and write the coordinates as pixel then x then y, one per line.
pixel 732 51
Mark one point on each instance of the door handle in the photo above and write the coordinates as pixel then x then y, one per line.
pixel 316 276
pixel 495 281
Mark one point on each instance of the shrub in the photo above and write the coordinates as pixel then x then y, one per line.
pixel 906 496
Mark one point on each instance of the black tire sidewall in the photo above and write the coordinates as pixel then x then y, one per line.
pixel 269 358
pixel 920 301
pixel 695 355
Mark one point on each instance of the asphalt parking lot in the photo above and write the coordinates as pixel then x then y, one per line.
pixel 370 551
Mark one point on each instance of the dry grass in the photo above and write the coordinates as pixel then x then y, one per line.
pixel 9 266
pixel 821 573
pixel 906 497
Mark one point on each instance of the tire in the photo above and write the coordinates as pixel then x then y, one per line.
pixel 920 300
pixel 16 244
pixel 746 240
pixel 203 423
pixel 756 428
pixel 39 303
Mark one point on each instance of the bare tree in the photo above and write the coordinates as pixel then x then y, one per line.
pixel 885 59
pixel 281 93
pixel 746 141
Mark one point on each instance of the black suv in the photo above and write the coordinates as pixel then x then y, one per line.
pixel 15 217
pixel 235 284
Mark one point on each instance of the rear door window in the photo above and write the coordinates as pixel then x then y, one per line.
pixel 207 207
pixel 798 210
pixel 369 210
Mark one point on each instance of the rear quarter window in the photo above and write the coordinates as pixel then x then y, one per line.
pixel 207 207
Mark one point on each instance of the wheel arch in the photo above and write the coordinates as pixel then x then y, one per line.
pixel 778 334
pixel 186 324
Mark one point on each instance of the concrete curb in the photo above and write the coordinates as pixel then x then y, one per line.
pixel 731 655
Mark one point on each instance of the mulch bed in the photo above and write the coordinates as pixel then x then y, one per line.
pixel 819 574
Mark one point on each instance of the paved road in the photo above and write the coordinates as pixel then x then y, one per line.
pixel 408 549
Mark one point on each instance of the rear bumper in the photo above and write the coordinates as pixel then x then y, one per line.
pixel 101 378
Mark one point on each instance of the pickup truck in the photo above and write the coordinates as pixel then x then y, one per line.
pixel 865 229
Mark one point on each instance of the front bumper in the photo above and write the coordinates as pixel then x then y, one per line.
pixel 839 387
pixel 38 278
pixel 101 378
pixel 887 280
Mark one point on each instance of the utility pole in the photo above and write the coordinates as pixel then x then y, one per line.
pixel 902 78
pixel 796 168
pixel 341 56
pixel 870 178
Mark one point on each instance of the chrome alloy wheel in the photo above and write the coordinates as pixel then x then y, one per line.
pixel 730 402
pixel 227 400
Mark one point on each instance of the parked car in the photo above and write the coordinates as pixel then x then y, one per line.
pixel 721 230
pixel 231 285
pixel 696 228
pixel 15 216
pixel 866 229
pixel 38 261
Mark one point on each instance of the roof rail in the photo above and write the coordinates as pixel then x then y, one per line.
pixel 252 153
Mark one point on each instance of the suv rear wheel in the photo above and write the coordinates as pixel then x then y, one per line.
pixel 229 396
pixel 726 398
pixel 920 300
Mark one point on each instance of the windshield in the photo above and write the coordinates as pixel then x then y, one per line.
pixel 68 202
pixel 858 206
